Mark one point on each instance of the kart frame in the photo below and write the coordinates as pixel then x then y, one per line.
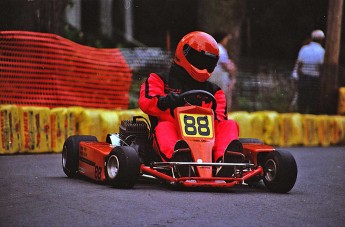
pixel 126 156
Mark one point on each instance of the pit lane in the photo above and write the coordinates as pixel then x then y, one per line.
pixel 34 191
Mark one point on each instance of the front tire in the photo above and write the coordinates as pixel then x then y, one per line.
pixel 70 154
pixel 122 167
pixel 280 171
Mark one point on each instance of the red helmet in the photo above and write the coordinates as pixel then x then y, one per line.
pixel 198 54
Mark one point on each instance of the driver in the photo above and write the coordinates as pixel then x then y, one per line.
pixel 195 59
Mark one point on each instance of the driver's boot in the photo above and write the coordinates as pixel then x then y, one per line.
pixel 233 154
pixel 182 154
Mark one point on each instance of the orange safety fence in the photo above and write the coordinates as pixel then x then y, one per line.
pixel 41 69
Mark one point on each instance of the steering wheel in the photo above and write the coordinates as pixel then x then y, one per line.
pixel 196 97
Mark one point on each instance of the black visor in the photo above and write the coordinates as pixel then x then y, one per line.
pixel 201 60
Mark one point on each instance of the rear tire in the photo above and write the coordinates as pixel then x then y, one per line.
pixel 122 167
pixel 280 171
pixel 70 154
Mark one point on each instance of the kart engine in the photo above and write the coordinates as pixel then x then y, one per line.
pixel 133 131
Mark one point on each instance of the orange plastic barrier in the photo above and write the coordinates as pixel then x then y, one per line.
pixel 41 69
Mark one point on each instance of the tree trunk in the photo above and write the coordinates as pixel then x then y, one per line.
pixel 329 77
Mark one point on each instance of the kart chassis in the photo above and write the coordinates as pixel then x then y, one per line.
pixel 126 156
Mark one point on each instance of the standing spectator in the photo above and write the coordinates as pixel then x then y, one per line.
pixel 309 62
pixel 224 73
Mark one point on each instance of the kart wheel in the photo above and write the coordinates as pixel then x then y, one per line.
pixel 280 170
pixel 70 154
pixel 122 167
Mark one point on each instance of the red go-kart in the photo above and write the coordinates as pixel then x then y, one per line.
pixel 132 153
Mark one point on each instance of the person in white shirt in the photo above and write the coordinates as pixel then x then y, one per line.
pixel 309 63
pixel 224 75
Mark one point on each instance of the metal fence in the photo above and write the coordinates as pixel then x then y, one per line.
pixel 265 85
pixel 143 61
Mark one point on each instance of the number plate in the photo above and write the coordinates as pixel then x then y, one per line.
pixel 196 125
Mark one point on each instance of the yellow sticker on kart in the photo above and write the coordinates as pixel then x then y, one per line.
pixel 196 125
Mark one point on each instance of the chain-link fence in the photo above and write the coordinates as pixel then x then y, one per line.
pixel 265 85
pixel 144 61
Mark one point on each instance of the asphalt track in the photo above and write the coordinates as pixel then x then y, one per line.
pixel 35 192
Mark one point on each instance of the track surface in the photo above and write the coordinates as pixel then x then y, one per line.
pixel 35 192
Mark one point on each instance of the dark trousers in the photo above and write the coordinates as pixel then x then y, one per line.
pixel 308 94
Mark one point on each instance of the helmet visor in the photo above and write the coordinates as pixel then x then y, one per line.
pixel 200 60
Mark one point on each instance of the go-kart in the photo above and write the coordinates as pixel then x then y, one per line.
pixel 124 157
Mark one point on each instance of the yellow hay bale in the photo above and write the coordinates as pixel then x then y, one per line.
pixel 270 127
pixel 63 124
pixel 110 122
pixel 257 125
pixel 337 129
pixel 310 137
pixel 72 120
pixel 89 123
pixel 243 120
pixel 9 129
pixel 324 129
pixel 291 129
pixel 35 129
pixel 59 125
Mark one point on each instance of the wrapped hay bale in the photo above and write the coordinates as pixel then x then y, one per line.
pixel 337 130
pixel 243 120
pixel 324 129
pixel 58 122
pixel 257 125
pixel 290 129
pixel 35 129
pixel 110 122
pixel 9 129
pixel 270 126
pixel 310 135
pixel 73 114
pixel 89 123
pixel 63 124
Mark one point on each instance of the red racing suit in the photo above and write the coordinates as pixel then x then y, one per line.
pixel 179 81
